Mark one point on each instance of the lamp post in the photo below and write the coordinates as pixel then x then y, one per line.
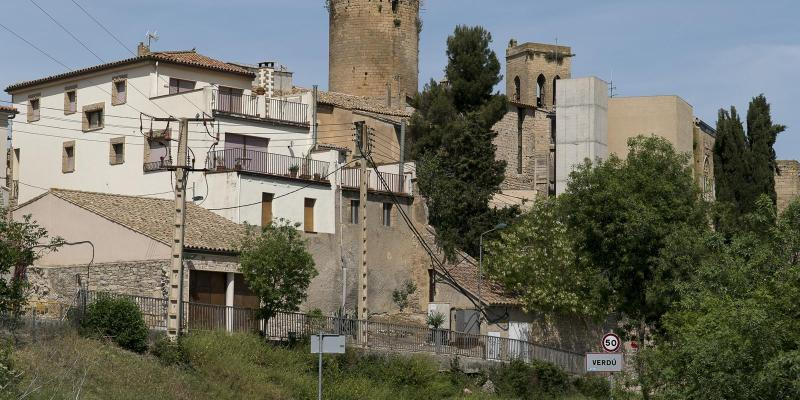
pixel 497 227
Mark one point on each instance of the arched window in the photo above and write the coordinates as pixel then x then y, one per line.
pixel 516 89
pixel 554 88
pixel 540 81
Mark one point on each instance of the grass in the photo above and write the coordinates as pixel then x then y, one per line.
pixel 229 367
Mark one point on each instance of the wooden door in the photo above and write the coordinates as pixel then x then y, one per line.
pixel 308 215
pixel 207 300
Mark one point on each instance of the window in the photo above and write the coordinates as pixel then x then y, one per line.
pixel 520 120
pixel 156 154
pixel 355 205
pixel 517 89
pixel 70 101
pixel 387 214
pixel 119 90
pixel 540 81
pixel 266 209
pixel 180 85
pixel 116 153
pixel 308 215
pixel 93 117
pixel 554 88
pixel 68 157
pixel 230 100
pixel 33 109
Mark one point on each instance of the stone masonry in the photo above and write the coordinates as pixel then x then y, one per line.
pixel 787 182
pixel 528 166
pixel 374 43
pixel 527 62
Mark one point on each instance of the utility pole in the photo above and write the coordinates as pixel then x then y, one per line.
pixel 402 158
pixel 362 152
pixel 314 132
pixel 175 306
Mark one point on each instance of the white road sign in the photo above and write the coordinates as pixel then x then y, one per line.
pixel 603 362
pixel 611 342
pixel 330 344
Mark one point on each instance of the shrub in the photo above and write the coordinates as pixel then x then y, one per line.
pixel 118 319
pixel 170 352
pixel 596 387
pixel 536 379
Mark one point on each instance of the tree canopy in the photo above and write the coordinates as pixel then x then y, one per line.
pixel 277 267
pixel 452 131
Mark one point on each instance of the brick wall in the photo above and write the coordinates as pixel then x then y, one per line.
pixel 787 182
pixel 536 138
pixel 371 44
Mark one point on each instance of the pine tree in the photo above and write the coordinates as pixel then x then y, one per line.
pixel 761 136
pixel 452 129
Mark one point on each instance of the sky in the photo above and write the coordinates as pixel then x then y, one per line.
pixel 713 54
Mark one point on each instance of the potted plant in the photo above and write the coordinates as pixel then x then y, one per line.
pixel 435 320
pixel 317 176
pixel 293 170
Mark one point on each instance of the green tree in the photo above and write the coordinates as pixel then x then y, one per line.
pixel 535 259
pixel 735 334
pixel 21 244
pixel 731 159
pixel 625 214
pixel 761 135
pixel 452 130
pixel 277 267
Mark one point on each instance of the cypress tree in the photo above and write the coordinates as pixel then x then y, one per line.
pixel 761 136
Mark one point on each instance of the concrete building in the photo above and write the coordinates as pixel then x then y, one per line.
pixel 787 182
pixel 7 114
pixel 374 48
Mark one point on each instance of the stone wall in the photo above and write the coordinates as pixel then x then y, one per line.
pixel 372 44
pixel 787 182
pixel 703 165
pixel 60 283
pixel 534 173
pixel 529 60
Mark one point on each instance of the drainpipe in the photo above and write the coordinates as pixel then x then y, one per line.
pixel 314 97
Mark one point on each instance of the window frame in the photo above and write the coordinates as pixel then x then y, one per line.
pixel 177 85
pixel 93 108
pixel 308 223
pixel 68 160
pixel 34 111
pixel 267 198
pixel 355 206
pixel 113 157
pixel 115 93
pixel 386 214
pixel 70 107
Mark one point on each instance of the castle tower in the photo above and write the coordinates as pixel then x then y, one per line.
pixel 374 47
pixel 533 70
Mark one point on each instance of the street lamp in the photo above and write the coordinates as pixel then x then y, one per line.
pixel 497 227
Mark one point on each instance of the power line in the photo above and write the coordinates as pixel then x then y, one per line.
pixel 102 26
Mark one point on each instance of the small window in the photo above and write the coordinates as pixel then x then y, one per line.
pixel 34 109
pixel 119 91
pixel 555 81
pixel 540 81
pixel 517 89
pixel 93 117
pixel 180 85
pixel 308 216
pixel 266 209
pixel 116 155
pixel 156 154
pixel 387 214
pixel 355 205
pixel 68 157
pixel 70 101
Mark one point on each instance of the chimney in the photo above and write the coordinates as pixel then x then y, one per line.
pixel 142 49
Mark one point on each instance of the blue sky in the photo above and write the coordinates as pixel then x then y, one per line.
pixel 712 53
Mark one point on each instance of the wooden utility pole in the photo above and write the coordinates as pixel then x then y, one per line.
pixel 362 152
pixel 175 306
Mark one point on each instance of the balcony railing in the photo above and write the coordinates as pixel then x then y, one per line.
pixel 157 165
pixel 394 183
pixel 259 106
pixel 261 162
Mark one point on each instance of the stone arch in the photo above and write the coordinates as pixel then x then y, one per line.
pixel 517 89
pixel 554 88
pixel 540 82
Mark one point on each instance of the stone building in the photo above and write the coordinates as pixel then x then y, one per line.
pixel 374 48
pixel 787 182
pixel 6 180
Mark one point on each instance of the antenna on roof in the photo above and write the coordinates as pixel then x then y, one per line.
pixel 151 37
pixel 611 86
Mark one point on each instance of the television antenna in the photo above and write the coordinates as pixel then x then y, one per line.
pixel 151 37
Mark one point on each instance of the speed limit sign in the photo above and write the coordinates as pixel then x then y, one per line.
pixel 611 342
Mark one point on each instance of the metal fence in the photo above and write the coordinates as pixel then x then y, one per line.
pixel 32 326
pixel 360 333
pixel 154 310
pixel 262 162
pixel 396 183
pixel 288 111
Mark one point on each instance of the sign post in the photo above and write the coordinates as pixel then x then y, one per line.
pixel 611 342
pixel 609 361
pixel 321 344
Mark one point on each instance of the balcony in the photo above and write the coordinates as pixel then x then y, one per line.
pixel 396 183
pixel 264 163
pixel 239 104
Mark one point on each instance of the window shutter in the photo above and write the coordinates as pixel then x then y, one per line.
pixel 173 86
pixel 308 215
pixel 266 209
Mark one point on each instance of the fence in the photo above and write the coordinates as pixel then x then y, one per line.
pixel 261 162
pixel 351 178
pixel 289 111
pixel 154 310
pixel 360 333
pixel 233 101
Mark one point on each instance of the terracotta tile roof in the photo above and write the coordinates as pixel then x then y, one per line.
pixel 360 103
pixel 8 109
pixel 184 57
pixel 154 218
pixel 465 273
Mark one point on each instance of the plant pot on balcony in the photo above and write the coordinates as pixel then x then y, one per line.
pixel 237 167
pixel 220 168
pixel 317 177
pixel 305 176
pixel 293 171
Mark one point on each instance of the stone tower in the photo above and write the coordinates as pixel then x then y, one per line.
pixel 532 70
pixel 374 47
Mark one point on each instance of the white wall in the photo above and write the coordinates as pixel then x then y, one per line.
pixel 581 125
pixel 4 131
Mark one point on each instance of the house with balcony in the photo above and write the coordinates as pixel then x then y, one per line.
pixel 7 113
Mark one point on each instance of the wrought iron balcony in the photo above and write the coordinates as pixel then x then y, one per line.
pixel 237 103
pixel 261 162
pixel 394 183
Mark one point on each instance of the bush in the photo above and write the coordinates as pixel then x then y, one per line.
pixel 596 387
pixel 118 319
pixel 523 380
pixel 170 352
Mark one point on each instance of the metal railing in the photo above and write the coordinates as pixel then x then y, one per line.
pixel 261 162
pixel 360 333
pixel 154 310
pixel 351 179
pixel 157 165
pixel 288 111
pixel 236 103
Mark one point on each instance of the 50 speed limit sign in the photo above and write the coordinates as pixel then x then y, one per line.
pixel 611 342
